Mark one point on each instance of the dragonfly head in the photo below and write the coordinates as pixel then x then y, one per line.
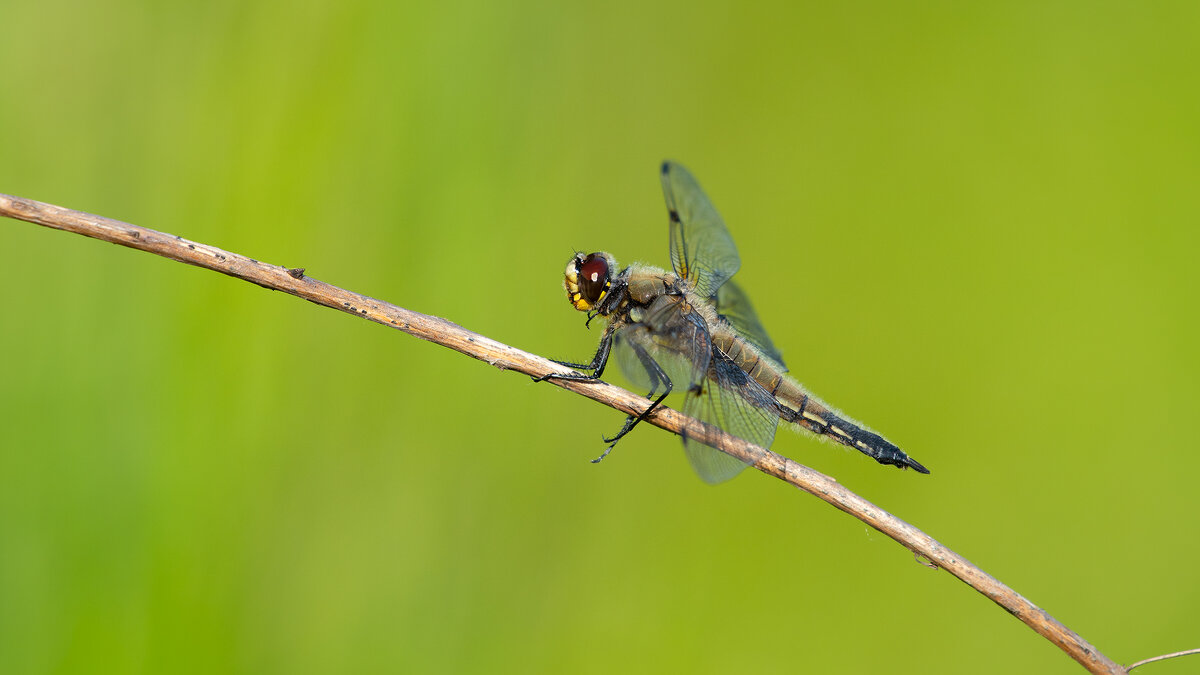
pixel 588 278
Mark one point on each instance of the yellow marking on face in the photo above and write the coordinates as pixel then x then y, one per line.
pixel 573 293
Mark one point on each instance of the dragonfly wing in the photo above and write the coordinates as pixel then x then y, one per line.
pixel 701 249
pixel 671 341
pixel 732 400
pixel 734 306
pixel 630 363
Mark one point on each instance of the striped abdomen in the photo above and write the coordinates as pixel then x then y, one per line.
pixel 799 407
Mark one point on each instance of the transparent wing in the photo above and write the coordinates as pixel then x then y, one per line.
pixel 701 249
pixel 673 337
pixel 674 340
pixel 734 306
pixel 629 362
pixel 733 401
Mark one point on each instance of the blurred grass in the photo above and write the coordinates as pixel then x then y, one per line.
pixel 972 227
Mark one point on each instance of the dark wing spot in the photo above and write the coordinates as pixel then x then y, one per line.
pixel 674 216
pixel 666 168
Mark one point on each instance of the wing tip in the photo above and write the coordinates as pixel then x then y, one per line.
pixel 666 167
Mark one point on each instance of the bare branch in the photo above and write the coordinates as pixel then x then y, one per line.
pixel 451 335
pixel 1164 657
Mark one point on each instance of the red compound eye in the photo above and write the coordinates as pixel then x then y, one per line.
pixel 593 277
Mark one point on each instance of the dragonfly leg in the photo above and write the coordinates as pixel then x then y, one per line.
pixel 658 377
pixel 573 377
pixel 632 420
pixel 599 361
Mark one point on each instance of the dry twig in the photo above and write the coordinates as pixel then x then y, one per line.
pixel 447 334
pixel 1164 657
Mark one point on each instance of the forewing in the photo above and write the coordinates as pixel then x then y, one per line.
pixel 701 249
pixel 732 400
pixel 734 306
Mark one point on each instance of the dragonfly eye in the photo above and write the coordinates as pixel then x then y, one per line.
pixel 593 277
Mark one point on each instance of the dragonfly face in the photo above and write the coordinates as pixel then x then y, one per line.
pixel 588 279
pixel 695 331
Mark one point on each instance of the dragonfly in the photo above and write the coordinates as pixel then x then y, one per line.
pixel 694 330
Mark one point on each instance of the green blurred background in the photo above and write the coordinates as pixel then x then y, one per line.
pixel 974 227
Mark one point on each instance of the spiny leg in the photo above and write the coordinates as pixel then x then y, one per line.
pixel 599 361
pixel 657 377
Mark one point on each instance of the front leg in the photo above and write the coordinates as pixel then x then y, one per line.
pixel 599 361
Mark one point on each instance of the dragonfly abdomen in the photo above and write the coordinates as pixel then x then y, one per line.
pixel 757 365
pixel 819 419
pixel 799 407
